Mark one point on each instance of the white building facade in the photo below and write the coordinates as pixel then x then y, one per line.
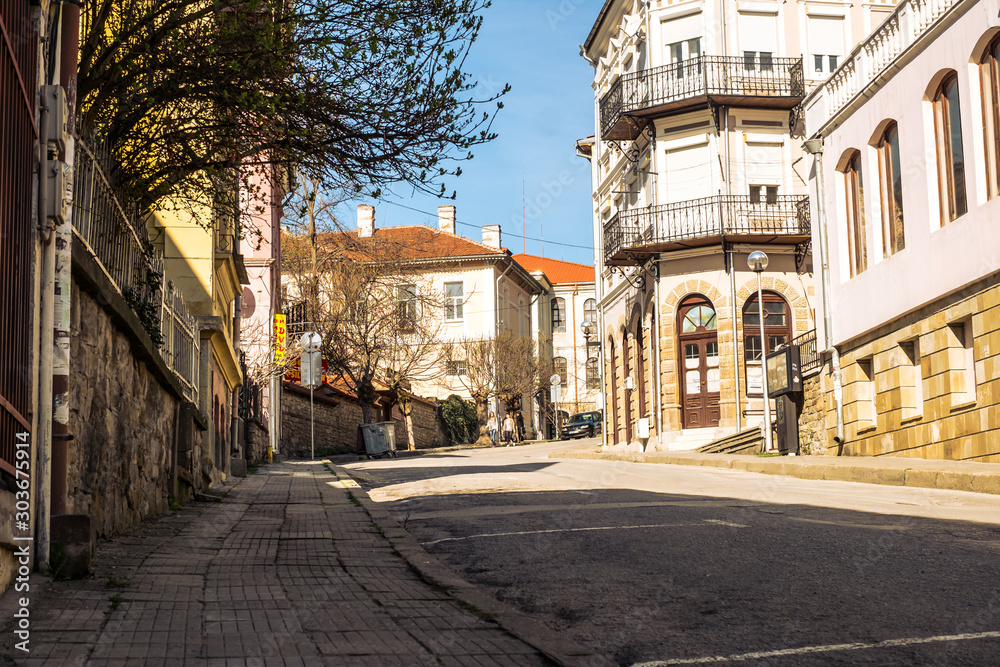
pixel 695 164
pixel 908 177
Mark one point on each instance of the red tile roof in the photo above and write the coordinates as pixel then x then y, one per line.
pixel 407 242
pixel 557 271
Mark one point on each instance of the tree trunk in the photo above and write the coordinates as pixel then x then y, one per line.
pixel 483 413
pixel 366 399
pixel 406 407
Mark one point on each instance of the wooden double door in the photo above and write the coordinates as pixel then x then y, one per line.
pixel 700 374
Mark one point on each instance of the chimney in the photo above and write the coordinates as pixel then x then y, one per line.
pixel 366 220
pixel 491 236
pixel 446 219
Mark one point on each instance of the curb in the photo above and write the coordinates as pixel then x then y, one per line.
pixel 552 645
pixel 968 476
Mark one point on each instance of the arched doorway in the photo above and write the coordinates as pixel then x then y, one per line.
pixel 698 337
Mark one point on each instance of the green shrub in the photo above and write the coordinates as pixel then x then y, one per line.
pixel 459 419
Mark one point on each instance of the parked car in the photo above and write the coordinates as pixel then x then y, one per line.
pixel 582 425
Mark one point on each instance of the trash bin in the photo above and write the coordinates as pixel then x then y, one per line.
pixel 380 439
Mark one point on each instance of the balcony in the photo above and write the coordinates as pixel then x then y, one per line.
pixel 633 236
pixel 767 82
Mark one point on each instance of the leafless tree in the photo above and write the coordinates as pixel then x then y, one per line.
pixel 377 316
pixel 504 365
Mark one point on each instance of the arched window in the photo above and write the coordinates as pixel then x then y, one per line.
pixel 559 315
pixel 777 332
pixel 950 154
pixel 890 191
pixel 559 367
pixel 590 311
pixel 989 78
pixel 593 374
pixel 854 190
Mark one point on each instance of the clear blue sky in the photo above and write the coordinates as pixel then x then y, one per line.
pixel 534 46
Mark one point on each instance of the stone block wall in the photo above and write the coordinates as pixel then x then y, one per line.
pixel 336 420
pixel 127 425
pixel 928 384
pixel 813 435
pixel 257 440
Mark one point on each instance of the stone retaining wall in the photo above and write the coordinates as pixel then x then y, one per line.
pixel 133 438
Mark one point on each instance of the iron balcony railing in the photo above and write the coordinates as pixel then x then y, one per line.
pixel 707 218
pixel 115 234
pixel 758 80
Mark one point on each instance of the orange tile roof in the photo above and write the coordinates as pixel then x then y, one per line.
pixel 413 242
pixel 557 271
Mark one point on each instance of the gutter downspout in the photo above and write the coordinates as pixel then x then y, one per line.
pixel 655 333
pixel 576 368
pixel 43 463
pixel 815 148
pixel 63 287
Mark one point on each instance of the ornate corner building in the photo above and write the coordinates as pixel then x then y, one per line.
pixel 695 164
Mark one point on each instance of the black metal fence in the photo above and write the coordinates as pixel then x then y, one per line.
pixel 114 233
pixel 810 358
pixel 18 134
pixel 759 75
pixel 707 217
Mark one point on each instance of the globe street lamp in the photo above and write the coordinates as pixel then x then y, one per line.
pixel 757 261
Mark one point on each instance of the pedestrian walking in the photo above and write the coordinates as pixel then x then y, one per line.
pixel 491 426
pixel 508 430
pixel 519 423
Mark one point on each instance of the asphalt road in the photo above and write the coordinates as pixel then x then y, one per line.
pixel 661 564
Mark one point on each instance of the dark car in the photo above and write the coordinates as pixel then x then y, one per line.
pixel 582 425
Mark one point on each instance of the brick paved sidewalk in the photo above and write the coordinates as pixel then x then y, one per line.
pixel 288 569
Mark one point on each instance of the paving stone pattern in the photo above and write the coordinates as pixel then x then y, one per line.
pixel 286 570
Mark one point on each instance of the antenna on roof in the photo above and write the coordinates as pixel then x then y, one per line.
pixel 524 232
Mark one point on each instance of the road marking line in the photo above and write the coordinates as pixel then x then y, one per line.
pixel 758 655
pixel 554 530
pixel 726 523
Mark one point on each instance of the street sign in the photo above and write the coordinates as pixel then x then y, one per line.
pixel 555 379
pixel 556 391
pixel 279 338
pixel 311 341
pixel 312 368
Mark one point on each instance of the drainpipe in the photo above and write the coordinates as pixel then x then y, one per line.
pixel 62 288
pixel 43 438
pixel 815 148
pixel 576 368
pixel 655 333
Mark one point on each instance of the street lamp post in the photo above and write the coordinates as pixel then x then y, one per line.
pixel 757 261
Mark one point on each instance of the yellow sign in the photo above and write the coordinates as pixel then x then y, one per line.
pixel 279 338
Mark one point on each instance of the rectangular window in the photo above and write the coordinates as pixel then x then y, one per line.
pixel 856 238
pixel 559 315
pixel 961 364
pixel 455 368
pixel 864 393
pixel 891 192
pixel 406 306
pixel 454 301
pixel 911 380
pixel 826 42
